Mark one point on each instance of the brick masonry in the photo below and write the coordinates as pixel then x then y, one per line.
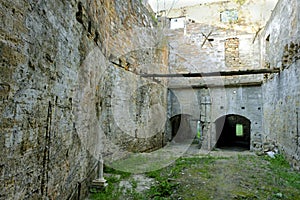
pixel 232 57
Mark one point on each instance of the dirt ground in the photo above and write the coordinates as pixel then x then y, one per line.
pixel 218 175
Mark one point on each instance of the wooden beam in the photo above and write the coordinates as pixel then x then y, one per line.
pixel 211 74
pixel 228 85
pixel 206 39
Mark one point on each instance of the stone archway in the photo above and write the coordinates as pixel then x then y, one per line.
pixel 181 128
pixel 233 131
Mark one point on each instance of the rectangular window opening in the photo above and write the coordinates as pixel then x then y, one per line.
pixel 229 16
pixel 267 52
pixel 239 130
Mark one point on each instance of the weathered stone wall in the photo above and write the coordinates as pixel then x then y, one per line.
pixel 213 103
pixel 210 43
pixel 65 67
pixel 243 101
pixel 281 92
pixel 248 12
pixel 182 102
pixel 204 44
pixel 194 53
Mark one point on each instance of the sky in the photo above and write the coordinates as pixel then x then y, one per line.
pixel 167 4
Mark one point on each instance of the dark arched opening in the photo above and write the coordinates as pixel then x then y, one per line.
pixel 233 131
pixel 181 128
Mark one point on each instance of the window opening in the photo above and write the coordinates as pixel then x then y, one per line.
pixel 229 16
pixel 239 130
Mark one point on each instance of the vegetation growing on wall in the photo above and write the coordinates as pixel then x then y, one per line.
pixel 240 2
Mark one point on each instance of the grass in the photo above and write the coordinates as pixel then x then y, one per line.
pixel 237 177
pixel 112 191
pixel 285 175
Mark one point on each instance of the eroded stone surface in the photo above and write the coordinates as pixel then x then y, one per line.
pixel 65 66
pixel 281 92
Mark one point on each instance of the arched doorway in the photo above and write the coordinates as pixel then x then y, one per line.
pixel 181 128
pixel 233 131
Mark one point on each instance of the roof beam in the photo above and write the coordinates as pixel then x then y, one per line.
pixel 211 74
pixel 228 85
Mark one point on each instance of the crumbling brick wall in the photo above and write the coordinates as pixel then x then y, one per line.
pixel 232 52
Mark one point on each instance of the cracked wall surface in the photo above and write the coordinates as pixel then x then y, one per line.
pixel 281 92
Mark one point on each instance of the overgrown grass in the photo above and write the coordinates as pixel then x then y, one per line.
pixel 112 191
pixel 238 177
pixel 242 177
pixel 166 177
pixel 286 176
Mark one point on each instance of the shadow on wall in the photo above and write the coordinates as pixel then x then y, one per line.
pixel 181 128
pixel 233 131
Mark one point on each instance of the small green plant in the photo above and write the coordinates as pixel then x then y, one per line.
pixel 110 192
pixel 162 189
pixel 240 2
pixel 154 19
pixel 154 174
pixel 133 183
pixel 279 161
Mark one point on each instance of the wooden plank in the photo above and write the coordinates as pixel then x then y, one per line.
pixel 210 74
pixel 204 86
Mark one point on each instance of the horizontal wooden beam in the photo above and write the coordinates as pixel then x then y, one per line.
pixel 204 86
pixel 210 74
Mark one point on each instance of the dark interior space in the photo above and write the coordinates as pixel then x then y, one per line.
pixel 181 128
pixel 233 131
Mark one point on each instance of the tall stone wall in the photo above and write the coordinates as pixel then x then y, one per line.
pixel 212 41
pixel 64 74
pixel 281 92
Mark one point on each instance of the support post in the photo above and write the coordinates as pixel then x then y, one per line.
pixel 100 168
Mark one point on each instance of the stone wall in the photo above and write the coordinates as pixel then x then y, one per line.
pixel 208 105
pixel 243 101
pixel 194 53
pixel 212 42
pixel 205 43
pixel 65 71
pixel 281 92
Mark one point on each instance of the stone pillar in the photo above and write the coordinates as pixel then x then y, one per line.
pixel 100 181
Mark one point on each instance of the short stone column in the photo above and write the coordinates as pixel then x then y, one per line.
pixel 100 182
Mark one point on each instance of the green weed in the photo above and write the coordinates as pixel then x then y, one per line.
pixel 162 190
pixel 208 177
